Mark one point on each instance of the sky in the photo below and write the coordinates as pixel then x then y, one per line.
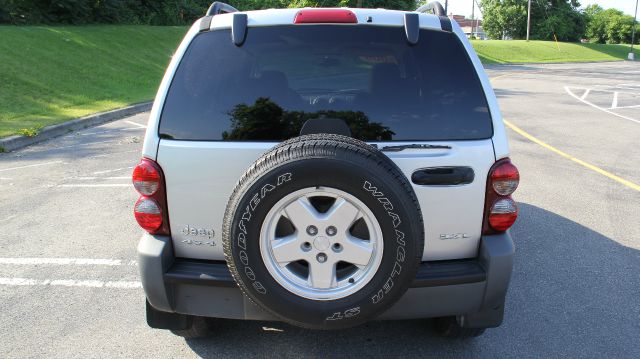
pixel 463 7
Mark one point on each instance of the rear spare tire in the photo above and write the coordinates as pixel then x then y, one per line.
pixel 324 232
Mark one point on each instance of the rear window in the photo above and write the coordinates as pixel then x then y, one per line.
pixel 370 77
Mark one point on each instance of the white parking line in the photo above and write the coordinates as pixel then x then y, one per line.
pixel 85 144
pixel 585 94
pixel 8 217
pixel 111 130
pixel 113 170
pixel 568 90
pixel 70 283
pixel 112 153
pixel 66 261
pixel 100 178
pixel 135 124
pixel 28 166
pixel 614 102
pixel 633 106
pixel 80 185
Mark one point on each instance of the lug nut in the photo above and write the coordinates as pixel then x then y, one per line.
pixel 321 257
pixel 306 246
pixel 312 230
pixel 331 230
pixel 336 247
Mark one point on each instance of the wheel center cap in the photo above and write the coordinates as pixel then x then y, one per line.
pixel 321 243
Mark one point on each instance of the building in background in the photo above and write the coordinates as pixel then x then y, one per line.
pixel 469 25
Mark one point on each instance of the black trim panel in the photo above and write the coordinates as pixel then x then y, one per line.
pixel 430 274
pixel 443 176
pixel 434 274
pixel 445 24
pixel 189 271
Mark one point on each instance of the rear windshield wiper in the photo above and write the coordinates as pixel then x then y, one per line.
pixel 413 146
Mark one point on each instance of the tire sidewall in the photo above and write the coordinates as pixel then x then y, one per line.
pixel 392 207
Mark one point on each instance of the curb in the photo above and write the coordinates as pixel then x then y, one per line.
pixel 488 66
pixel 13 143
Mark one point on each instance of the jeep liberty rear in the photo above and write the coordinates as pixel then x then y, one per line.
pixel 325 167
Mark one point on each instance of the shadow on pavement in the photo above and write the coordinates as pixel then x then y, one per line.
pixel 574 292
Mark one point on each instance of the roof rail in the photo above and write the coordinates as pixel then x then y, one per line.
pixel 218 8
pixel 433 6
pixel 436 8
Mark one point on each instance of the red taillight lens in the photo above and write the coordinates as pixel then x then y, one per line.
pixel 148 214
pixel 325 16
pixel 503 214
pixel 505 178
pixel 146 177
pixel 151 208
pixel 500 210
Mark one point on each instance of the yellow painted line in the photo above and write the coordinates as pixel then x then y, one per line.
pixel 499 76
pixel 597 169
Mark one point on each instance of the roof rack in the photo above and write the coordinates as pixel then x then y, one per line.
pixel 434 7
pixel 218 8
pixel 238 25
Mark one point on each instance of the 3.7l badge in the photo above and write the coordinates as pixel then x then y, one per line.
pixel 453 236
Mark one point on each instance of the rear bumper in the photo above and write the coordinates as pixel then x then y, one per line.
pixel 473 289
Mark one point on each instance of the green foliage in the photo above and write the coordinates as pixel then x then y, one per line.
pixel 504 18
pixel 152 12
pixel 52 74
pixel 609 26
pixel 520 51
pixel 30 132
pixel 508 18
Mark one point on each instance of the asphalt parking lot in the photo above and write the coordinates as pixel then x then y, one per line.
pixel 68 276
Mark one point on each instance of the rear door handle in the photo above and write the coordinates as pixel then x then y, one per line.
pixel 443 176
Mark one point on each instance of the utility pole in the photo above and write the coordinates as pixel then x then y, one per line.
pixel 529 19
pixel 473 9
pixel 631 55
pixel 446 7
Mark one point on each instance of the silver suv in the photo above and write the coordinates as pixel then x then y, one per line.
pixel 325 167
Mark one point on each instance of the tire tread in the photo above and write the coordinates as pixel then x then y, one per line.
pixel 305 147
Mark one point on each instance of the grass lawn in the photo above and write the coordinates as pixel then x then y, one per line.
pixel 52 74
pixel 520 51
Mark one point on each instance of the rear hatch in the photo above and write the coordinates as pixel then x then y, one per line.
pixel 228 104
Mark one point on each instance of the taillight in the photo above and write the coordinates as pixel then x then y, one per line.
pixel 148 214
pixel 151 208
pixel 501 210
pixel 146 178
pixel 325 16
pixel 503 214
pixel 505 178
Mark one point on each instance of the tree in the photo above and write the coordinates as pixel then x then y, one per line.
pixel 596 24
pixel 508 18
pixel 504 18
pixel 156 12
pixel 609 26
